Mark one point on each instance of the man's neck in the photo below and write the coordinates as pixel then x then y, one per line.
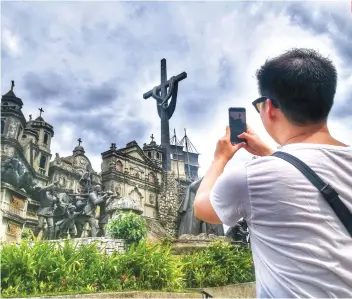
pixel 318 134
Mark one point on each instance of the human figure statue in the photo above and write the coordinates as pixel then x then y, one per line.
pixel 104 216
pixel 86 179
pixel 64 215
pixel 88 208
pixel 189 224
pixel 47 201
pixel 162 94
pixel 239 232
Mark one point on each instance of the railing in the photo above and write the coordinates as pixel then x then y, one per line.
pixel 11 209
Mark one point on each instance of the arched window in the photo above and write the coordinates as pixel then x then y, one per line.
pixel 24 136
pixel 151 178
pixel 46 138
pixel 151 199
pixel 2 126
pixel 157 155
pixel 149 154
pixel 136 197
pixel 119 166
pixel 42 162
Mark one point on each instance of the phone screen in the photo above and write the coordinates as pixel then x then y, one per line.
pixel 237 120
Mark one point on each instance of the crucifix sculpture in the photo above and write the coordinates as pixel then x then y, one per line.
pixel 41 111
pixel 162 94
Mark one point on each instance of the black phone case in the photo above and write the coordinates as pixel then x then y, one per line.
pixel 234 139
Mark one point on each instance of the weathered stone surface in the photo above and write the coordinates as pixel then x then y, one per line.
pixel 104 244
pixel 168 204
pixel 240 290
pixel 188 243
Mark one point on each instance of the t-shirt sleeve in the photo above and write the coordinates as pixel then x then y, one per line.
pixel 229 196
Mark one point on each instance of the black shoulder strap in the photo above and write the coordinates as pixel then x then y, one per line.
pixel 329 193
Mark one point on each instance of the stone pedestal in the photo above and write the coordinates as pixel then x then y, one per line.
pixel 188 243
pixel 169 203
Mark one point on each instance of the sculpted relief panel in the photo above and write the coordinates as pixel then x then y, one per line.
pixel 81 162
pixel 7 150
pixel 12 128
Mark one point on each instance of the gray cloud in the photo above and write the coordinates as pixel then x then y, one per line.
pixel 325 22
pixel 88 64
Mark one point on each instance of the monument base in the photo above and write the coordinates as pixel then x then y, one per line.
pixel 106 245
pixel 186 244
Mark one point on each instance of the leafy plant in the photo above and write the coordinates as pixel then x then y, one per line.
pixel 151 267
pixel 27 234
pixel 218 265
pixel 128 226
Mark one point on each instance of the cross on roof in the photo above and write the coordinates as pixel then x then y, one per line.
pixel 41 111
pixel 152 137
pixel 12 84
pixel 79 141
pixel 30 116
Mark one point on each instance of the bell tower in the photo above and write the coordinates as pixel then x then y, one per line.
pixel 12 118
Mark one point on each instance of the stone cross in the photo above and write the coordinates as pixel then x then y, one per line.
pixel 79 141
pixel 41 110
pixel 152 137
pixel 12 84
pixel 162 93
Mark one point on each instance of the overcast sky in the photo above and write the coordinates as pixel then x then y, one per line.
pixel 87 64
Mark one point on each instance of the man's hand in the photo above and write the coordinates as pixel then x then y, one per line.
pixel 225 149
pixel 254 145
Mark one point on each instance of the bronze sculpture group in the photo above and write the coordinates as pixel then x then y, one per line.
pixel 63 213
pixel 68 213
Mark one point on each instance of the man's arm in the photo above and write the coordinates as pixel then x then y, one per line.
pixel 203 208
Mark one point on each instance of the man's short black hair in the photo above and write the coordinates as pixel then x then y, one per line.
pixel 302 82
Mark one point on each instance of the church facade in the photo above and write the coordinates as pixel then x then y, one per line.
pixel 132 172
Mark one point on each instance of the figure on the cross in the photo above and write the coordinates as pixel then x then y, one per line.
pixel 41 111
pixel 162 93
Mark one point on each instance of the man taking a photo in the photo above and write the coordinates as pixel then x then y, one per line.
pixel 300 246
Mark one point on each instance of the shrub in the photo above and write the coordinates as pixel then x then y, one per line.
pixel 150 267
pixel 218 265
pixel 48 267
pixel 128 226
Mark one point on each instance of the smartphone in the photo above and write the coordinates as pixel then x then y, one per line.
pixel 237 123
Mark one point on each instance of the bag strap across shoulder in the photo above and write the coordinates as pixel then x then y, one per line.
pixel 329 193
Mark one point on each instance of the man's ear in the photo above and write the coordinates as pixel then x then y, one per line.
pixel 270 109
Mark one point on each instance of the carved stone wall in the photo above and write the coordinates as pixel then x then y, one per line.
pixel 106 245
pixel 168 204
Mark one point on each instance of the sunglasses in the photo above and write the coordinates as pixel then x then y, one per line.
pixel 261 100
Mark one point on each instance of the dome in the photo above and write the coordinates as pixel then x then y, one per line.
pixel 10 97
pixel 78 149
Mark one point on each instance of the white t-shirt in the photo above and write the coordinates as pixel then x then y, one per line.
pixel 300 248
